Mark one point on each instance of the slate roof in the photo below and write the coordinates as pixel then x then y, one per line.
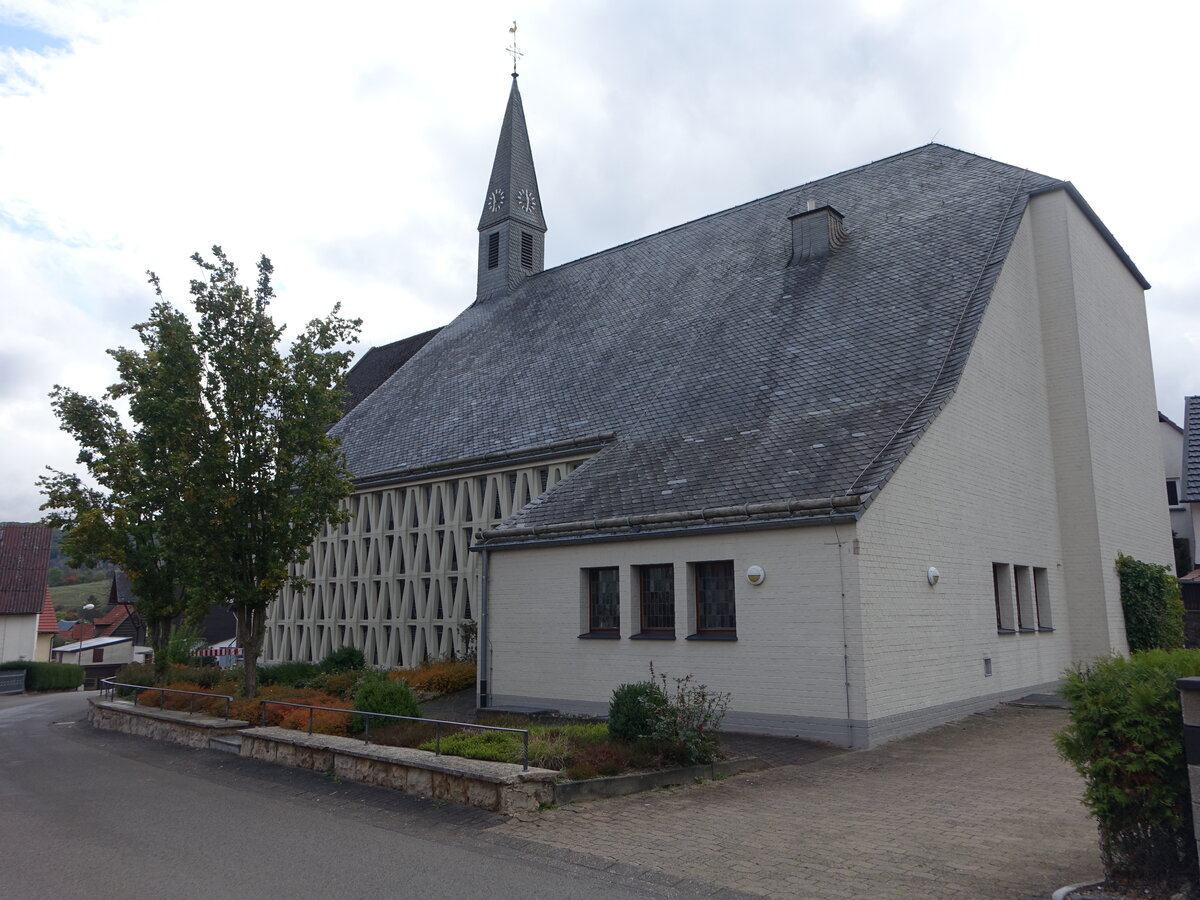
pixel 713 375
pixel 377 365
pixel 24 562
pixel 1191 450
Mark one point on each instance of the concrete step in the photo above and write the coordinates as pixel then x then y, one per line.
pixel 230 744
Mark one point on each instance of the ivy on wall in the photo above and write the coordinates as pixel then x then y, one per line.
pixel 1152 603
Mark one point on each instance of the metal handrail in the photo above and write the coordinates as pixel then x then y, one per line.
pixel 112 685
pixel 437 732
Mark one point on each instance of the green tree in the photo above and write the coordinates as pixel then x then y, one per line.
pixel 136 515
pixel 268 475
pixel 230 472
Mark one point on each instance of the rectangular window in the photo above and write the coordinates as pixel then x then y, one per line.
pixel 493 249
pixel 657 596
pixel 1041 600
pixel 604 600
pixel 1002 584
pixel 98 654
pixel 526 249
pixel 1026 616
pixel 714 598
pixel 1173 491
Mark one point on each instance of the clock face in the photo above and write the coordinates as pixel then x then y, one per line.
pixel 495 200
pixel 526 200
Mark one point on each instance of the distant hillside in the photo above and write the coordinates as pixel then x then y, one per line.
pixel 68 598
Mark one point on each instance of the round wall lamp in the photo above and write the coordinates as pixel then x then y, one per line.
pixel 755 575
pixel 933 575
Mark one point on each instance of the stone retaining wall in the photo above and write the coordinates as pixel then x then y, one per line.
pixel 499 787
pixel 160 724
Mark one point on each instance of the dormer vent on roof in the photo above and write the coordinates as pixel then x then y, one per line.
pixel 815 234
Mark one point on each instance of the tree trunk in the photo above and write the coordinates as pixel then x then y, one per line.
pixel 250 633
pixel 160 635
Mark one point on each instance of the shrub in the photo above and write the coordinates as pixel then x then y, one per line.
pixel 1153 607
pixel 605 760
pixel 134 673
pixel 340 684
pixel 44 676
pixel 323 721
pixel 1125 737
pixel 205 676
pixel 184 702
pixel 549 749
pixel 376 693
pixel 439 677
pixel 582 771
pixel 686 718
pixel 344 659
pixel 497 746
pixel 632 710
pixel 291 674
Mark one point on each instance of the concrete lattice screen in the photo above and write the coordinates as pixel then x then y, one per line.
pixel 397 580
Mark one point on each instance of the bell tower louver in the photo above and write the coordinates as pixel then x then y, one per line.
pixel 512 230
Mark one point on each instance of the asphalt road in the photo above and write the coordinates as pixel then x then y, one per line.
pixel 96 814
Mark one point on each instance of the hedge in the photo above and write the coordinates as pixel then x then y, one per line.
pixel 1153 608
pixel 1125 737
pixel 42 676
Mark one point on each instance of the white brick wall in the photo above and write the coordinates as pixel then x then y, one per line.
pixel 978 488
pixel 787 661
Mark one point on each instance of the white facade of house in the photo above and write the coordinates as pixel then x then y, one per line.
pixel 1041 462
pixel 1172 447
pixel 18 638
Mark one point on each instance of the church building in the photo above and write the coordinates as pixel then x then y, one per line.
pixel 861 453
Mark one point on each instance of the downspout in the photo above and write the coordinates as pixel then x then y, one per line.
pixel 484 656
pixel 845 635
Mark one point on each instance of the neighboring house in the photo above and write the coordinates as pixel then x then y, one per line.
pixel 1181 517
pixel 99 656
pixel 47 629
pixel 862 453
pixel 1190 483
pixel 24 563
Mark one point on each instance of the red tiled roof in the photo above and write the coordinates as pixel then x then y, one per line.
pixel 111 620
pixel 47 621
pixel 24 562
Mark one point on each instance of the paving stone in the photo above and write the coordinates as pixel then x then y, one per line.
pixel 980 808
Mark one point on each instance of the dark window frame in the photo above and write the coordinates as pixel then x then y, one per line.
pixel 97 654
pixel 1173 492
pixel 704 574
pixel 651 607
pixel 595 587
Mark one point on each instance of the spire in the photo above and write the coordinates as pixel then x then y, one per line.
pixel 513 190
pixel 512 229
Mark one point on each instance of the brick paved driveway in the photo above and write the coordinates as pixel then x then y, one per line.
pixel 982 808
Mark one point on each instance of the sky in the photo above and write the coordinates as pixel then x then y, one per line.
pixel 352 144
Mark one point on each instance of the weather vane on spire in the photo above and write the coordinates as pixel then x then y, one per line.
pixel 516 53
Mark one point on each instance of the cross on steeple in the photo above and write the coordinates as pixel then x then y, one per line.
pixel 513 50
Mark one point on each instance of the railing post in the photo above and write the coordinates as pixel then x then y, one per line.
pixel 437 738
pixel 262 713
pixel 310 718
pixel 526 766
pixel 366 729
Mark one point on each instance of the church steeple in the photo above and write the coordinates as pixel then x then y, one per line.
pixel 512 230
